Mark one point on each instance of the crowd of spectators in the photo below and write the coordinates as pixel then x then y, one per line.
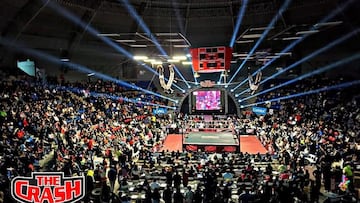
pixel 116 144
pixel 322 129
pixel 68 128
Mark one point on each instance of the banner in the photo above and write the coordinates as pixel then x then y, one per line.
pixel 259 110
pixel 27 66
pixel 160 111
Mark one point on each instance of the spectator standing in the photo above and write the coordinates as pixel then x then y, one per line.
pixel 167 194
pixel 112 174
pixel 189 195
pixel 178 196
pixel 198 196
pixel 155 196
pixel 154 185
pixel 177 179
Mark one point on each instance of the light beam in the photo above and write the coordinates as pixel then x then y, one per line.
pixel 294 43
pixel 339 86
pixel 315 72
pixel 112 97
pixel 268 28
pixel 238 22
pixel 146 29
pixel 74 66
pixel 308 57
pixel 95 33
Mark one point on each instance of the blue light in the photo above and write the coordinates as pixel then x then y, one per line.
pixel 195 79
pixel 268 28
pixel 315 53
pixel 315 72
pixel 338 10
pixel 95 33
pixel 143 26
pixel 238 22
pixel 182 77
pixel 179 18
pixel 294 43
pixel 115 98
pixel 146 29
pixel 74 66
pixel 339 86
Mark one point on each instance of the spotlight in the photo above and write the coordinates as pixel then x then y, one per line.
pixel 140 57
pixel 236 95
pixel 232 90
pixel 149 60
pixel 179 57
pixel 186 63
pixel 226 86
pixel 156 62
pixel 173 60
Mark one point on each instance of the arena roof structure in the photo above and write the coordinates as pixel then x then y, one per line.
pixel 104 35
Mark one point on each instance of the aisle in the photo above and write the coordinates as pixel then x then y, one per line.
pixel 251 145
pixel 172 142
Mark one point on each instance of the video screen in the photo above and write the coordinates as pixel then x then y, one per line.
pixel 208 100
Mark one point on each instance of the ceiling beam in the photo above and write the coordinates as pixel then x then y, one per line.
pixel 21 21
pixel 231 9
pixel 23 18
pixel 78 32
pixel 187 14
pixel 140 11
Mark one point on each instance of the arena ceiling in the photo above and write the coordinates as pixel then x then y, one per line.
pixel 177 25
